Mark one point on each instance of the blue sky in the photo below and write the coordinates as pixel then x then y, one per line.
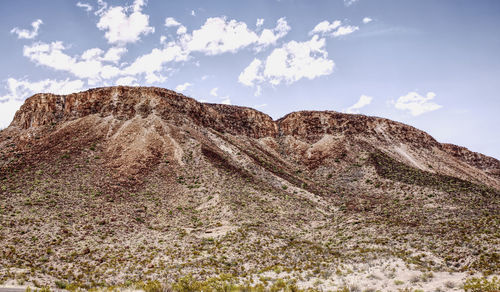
pixel 432 64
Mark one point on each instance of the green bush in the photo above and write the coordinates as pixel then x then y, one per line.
pixel 61 284
pixel 482 284
pixel 150 286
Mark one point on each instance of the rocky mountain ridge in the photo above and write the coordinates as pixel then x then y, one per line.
pixel 122 186
pixel 126 103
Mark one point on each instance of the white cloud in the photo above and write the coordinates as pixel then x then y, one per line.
pixel 344 30
pixel 260 22
pixel 363 101
pixel 297 60
pixel 290 63
pixel 334 29
pixel 121 26
pixel 349 2
pixel 367 20
pixel 87 7
pixel 258 91
pixel 92 54
pixel 181 30
pixel 126 81
pixel 102 7
pixel 251 73
pixel 152 63
pixel 27 34
pixel 89 65
pixel 417 104
pixel 8 108
pixel 213 92
pixel 325 27
pixel 216 36
pixel 114 54
pixel 193 13
pixel 182 87
pixel 154 78
pixel 171 22
pixel 219 35
pixel 226 100
pixel 19 90
pixel 269 37
pixel 50 55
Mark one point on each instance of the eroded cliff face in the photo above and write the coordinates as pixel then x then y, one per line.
pixel 125 103
pixel 481 161
pixel 146 123
pixel 313 125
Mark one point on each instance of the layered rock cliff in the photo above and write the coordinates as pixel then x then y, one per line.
pixel 326 133
pixel 125 103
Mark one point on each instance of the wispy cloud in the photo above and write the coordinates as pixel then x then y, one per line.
pixel 349 2
pixel 28 34
pixel 171 22
pixel 183 87
pixel 335 28
pixel 417 104
pixel 363 101
pixel 86 6
pixel 367 20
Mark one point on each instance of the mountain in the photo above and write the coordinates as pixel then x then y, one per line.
pixel 144 187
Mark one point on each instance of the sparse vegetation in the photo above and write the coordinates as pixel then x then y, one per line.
pixel 194 207
pixel 482 284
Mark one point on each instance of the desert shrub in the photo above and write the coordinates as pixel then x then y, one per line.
pixel 61 284
pixel 482 284
pixel 392 169
pixel 42 289
pixel 226 282
pixel 398 282
pixel 150 286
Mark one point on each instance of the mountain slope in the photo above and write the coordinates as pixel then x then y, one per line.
pixel 120 185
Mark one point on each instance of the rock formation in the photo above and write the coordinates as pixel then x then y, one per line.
pixel 120 183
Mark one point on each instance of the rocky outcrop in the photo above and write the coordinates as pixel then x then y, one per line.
pixel 125 103
pixel 313 125
pixel 313 137
pixel 478 160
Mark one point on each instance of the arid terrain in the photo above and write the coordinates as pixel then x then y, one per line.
pixel 144 188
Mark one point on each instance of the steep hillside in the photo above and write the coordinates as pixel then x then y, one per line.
pixel 127 185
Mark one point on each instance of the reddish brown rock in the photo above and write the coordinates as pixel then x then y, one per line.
pixel 152 121
pixel 124 103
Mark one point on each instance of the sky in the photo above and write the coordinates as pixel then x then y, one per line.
pixel 431 64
